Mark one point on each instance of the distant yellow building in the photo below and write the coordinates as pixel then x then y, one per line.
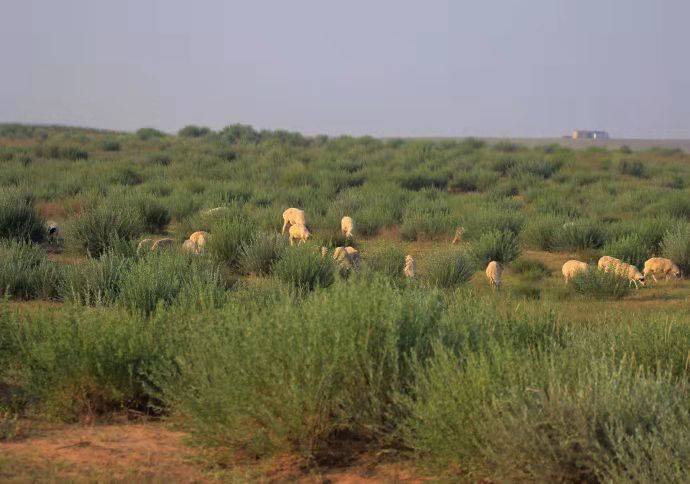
pixel 586 134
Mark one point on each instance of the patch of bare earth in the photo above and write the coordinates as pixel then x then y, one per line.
pixel 123 452
pixel 152 452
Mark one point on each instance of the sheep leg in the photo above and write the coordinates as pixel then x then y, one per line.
pixel 285 223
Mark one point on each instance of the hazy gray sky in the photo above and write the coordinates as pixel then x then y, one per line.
pixel 385 67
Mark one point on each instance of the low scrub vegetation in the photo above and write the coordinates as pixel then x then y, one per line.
pixel 263 348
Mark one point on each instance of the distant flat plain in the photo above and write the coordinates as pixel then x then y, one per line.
pixel 635 144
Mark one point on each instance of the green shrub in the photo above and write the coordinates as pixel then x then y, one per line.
pixel 260 254
pixel 502 247
pixel 581 234
pixel 449 268
pixel 480 220
pixel 126 177
pixel 96 282
pixel 149 133
pixel 162 278
pixel 57 152
pixel 154 214
pixel 303 268
pixel 600 284
pixel 98 229
pixel 18 218
pixel 630 248
pixel 633 168
pixel 312 370
pixel 530 269
pixel 192 131
pixel 676 246
pixel 159 159
pixel 228 237
pixel 541 232
pixel 25 273
pixel 110 145
pixel 388 260
pixel 74 363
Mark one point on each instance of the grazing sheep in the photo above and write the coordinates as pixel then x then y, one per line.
pixel 199 238
pixel 144 246
pixel 661 266
pixel 347 257
pixel 458 235
pixel 53 230
pixel 494 273
pixel 572 267
pixel 163 244
pixel 608 263
pixel 632 273
pixel 189 246
pixel 410 267
pixel 293 216
pixel 347 225
pixel 298 232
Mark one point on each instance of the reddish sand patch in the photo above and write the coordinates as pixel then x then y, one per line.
pixel 101 452
pixel 152 452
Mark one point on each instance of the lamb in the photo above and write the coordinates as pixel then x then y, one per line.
pixel 347 256
pixel 163 244
pixel 293 216
pixel 53 230
pixel 144 245
pixel 410 267
pixel 662 266
pixel 572 267
pixel 458 235
pixel 347 226
pixel 298 232
pixel 494 271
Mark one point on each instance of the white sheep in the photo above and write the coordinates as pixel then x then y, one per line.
pixel 53 230
pixel 189 246
pixel 293 216
pixel 661 266
pixel 608 263
pixel 348 256
pixel 572 267
pixel 299 233
pixel 347 225
pixel 410 269
pixel 458 235
pixel 494 273
pixel 163 244
pixel 199 239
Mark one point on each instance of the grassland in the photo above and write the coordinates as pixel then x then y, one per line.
pixel 260 351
